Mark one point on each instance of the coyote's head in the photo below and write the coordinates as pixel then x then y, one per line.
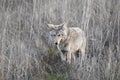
pixel 58 32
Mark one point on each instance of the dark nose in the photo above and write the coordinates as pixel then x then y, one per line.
pixel 56 43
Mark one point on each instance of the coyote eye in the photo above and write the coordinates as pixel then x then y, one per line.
pixel 62 34
pixel 54 35
pixel 59 35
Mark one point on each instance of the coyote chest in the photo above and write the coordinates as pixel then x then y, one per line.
pixel 64 47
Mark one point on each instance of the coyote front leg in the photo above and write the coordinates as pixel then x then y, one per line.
pixel 69 57
pixel 63 58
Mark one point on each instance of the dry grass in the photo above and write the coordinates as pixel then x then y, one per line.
pixel 26 52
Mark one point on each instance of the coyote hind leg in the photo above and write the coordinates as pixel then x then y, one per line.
pixel 83 56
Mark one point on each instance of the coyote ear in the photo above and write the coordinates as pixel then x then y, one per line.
pixel 51 26
pixel 63 25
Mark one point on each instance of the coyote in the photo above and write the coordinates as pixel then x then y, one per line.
pixel 68 40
